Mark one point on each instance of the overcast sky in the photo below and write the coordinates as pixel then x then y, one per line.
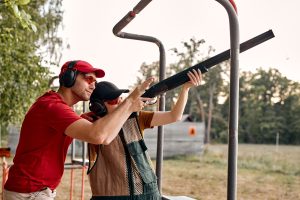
pixel 88 29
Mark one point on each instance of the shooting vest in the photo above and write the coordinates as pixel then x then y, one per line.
pixel 123 169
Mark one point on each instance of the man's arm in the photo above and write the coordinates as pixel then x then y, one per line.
pixel 162 118
pixel 105 129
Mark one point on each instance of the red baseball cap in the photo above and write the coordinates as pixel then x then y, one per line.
pixel 83 66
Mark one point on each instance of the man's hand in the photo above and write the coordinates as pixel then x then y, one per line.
pixel 139 90
pixel 138 102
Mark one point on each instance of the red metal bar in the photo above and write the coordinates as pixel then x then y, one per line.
pixel 233 4
pixel 5 170
pixel 4 153
pixel 82 182
pixel 72 184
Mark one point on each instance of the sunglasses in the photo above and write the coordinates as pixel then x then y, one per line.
pixel 89 79
pixel 113 101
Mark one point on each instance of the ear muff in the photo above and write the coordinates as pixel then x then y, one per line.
pixel 98 107
pixel 68 78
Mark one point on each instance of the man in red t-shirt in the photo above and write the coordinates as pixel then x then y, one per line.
pixel 50 125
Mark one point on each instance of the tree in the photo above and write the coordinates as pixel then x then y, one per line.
pixel 267 100
pixel 23 74
pixel 291 112
pixel 20 15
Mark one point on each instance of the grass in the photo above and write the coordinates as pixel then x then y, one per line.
pixel 264 172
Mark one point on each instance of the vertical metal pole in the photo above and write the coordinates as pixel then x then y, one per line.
pixel 233 99
pixel 277 142
pixel 84 150
pixel 82 182
pixel 73 150
pixel 160 129
pixel 72 183
pixel 162 63
pixel 4 173
pixel 84 146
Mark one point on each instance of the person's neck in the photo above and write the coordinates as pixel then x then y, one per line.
pixel 67 96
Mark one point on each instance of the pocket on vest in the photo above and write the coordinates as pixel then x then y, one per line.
pixel 138 152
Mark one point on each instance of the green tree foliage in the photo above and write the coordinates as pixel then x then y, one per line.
pixel 23 74
pixel 291 111
pixel 23 17
pixel 269 104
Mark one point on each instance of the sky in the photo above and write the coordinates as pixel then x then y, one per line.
pixel 88 28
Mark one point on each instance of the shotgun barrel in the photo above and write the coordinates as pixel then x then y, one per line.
pixel 181 77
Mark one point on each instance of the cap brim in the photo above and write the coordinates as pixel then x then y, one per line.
pixel 98 72
pixel 116 94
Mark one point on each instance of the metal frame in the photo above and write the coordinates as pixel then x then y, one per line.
pixel 162 65
pixel 233 98
pixel 234 87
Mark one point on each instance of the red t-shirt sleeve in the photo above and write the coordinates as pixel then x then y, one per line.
pixel 60 116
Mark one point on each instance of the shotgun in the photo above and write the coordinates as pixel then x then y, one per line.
pixel 181 77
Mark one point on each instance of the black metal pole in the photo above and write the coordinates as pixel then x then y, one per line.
pixel 233 99
pixel 162 63
pixel 129 16
pixel 160 130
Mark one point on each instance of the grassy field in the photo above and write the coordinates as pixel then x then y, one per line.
pixel 264 172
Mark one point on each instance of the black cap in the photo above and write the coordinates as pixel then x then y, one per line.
pixel 106 91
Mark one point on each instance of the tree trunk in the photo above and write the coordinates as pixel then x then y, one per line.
pixel 210 109
pixel 201 113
